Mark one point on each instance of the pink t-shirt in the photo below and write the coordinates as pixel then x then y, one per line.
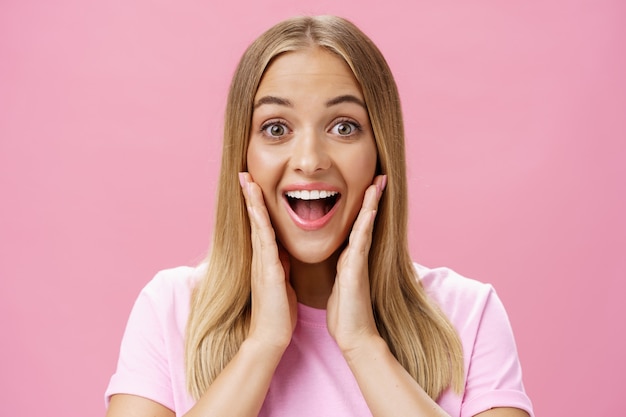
pixel 312 378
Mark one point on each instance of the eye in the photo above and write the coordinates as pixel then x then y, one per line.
pixel 274 129
pixel 345 128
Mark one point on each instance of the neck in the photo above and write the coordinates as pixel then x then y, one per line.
pixel 313 283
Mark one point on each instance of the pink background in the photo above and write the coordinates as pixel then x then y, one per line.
pixel 110 118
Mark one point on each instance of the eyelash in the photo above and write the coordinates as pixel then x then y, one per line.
pixel 270 123
pixel 356 127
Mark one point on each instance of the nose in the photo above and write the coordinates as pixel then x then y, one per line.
pixel 309 153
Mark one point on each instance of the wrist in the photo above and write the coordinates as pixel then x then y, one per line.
pixel 372 348
pixel 269 352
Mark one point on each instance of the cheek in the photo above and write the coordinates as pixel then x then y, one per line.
pixel 363 166
pixel 359 175
pixel 258 163
pixel 265 169
pixel 252 157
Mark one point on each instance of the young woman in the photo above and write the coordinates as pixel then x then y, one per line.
pixel 309 304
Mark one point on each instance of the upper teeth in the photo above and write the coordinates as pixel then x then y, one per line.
pixel 310 195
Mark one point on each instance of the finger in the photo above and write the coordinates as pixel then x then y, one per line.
pixel 361 234
pixel 265 256
pixel 371 198
pixel 283 256
pixel 257 211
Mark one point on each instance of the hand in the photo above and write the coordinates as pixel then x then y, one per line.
pixel 274 304
pixel 350 317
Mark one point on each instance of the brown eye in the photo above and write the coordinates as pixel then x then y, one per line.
pixel 345 128
pixel 275 130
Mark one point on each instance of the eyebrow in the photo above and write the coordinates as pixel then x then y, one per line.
pixel 273 100
pixel 347 98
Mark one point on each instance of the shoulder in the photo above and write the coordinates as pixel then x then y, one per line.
pixel 173 283
pixel 178 277
pixel 473 307
pixel 492 370
pixel 167 296
pixel 452 292
pixel 151 361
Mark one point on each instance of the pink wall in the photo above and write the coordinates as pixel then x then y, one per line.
pixel 110 116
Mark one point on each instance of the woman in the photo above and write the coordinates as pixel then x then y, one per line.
pixel 309 303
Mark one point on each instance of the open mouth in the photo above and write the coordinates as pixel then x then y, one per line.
pixel 312 205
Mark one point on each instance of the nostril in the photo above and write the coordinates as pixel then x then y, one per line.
pixel 309 156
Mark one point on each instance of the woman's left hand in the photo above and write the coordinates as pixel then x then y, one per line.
pixel 350 317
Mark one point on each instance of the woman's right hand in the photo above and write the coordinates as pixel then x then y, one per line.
pixel 274 304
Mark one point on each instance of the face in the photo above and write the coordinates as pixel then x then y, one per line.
pixel 311 151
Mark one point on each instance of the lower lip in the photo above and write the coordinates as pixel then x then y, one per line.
pixel 310 225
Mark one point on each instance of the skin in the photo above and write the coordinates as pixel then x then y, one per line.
pixel 316 104
pixel 329 273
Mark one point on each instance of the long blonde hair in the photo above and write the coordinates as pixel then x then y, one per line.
pixel 417 332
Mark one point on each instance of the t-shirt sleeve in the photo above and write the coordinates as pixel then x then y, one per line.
pixel 142 367
pixel 494 376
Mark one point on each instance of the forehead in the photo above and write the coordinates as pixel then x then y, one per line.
pixel 308 65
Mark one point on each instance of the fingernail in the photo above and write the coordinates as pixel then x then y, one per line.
pixel 380 186
pixel 242 179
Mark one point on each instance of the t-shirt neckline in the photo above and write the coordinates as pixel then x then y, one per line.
pixel 311 315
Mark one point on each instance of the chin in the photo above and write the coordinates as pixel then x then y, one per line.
pixel 310 255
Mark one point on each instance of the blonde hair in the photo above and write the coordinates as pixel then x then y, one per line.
pixel 416 331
